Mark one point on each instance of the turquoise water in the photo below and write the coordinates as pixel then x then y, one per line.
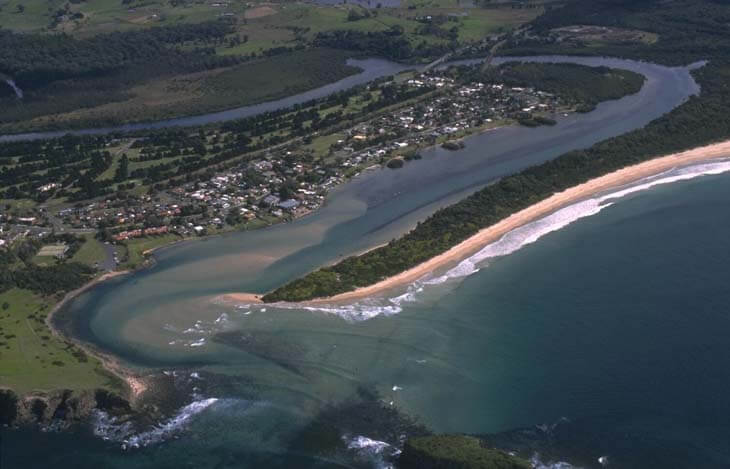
pixel 607 337
pixel 570 343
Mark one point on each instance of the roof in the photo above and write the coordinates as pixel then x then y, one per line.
pixel 289 204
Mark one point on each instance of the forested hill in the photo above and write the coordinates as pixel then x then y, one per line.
pixel 35 60
pixel 575 84
pixel 687 30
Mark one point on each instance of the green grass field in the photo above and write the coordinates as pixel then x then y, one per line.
pixel 91 252
pixel 32 359
pixel 135 248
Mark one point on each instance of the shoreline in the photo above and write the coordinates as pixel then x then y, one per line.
pixel 492 233
pixel 135 383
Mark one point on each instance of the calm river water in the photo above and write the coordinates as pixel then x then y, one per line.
pixel 537 337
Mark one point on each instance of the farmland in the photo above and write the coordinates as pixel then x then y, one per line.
pixel 194 57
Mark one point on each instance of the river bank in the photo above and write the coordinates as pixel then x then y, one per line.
pixel 539 210
pixel 136 384
pixel 141 318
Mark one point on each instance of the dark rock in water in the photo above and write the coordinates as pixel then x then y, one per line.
pixel 395 163
pixel 8 407
pixel 455 452
pixel 365 415
pixel 453 145
pixel 269 346
pixel 110 402
pixel 65 406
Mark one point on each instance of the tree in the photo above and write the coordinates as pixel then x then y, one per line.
pixel 122 171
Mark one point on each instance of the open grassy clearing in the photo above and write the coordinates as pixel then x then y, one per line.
pixel 91 252
pixel 135 248
pixel 32 359
pixel 101 16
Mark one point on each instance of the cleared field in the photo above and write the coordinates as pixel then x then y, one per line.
pixel 91 252
pixel 136 248
pixel 53 250
pixel 100 16
pixel 258 30
pixel 32 359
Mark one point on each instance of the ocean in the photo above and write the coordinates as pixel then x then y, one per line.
pixel 575 338
pixel 606 338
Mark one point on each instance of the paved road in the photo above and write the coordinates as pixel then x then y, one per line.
pixel 108 264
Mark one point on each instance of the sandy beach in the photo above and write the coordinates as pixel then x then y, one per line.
pixel 539 210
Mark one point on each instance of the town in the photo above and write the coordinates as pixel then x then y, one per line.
pixel 286 181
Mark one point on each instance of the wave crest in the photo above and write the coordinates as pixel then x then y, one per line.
pixel 510 242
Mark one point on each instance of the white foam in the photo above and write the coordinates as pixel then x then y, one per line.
pixel 537 464
pixel 373 450
pixel 516 239
pixel 222 319
pixel 169 427
pixel 110 429
pixel 512 241
pixel 363 442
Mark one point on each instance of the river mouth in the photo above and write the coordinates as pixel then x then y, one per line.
pixel 168 317
pixel 143 317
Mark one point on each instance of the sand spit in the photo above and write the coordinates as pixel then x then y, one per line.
pixel 470 246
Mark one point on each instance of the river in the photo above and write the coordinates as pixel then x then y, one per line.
pixel 371 70
pixel 288 364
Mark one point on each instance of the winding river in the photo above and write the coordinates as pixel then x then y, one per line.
pixel 295 360
pixel 138 316
pixel 371 70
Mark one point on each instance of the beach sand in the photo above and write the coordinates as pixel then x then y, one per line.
pixel 470 246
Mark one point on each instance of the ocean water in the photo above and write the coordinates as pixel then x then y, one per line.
pixel 606 338
pixel 598 332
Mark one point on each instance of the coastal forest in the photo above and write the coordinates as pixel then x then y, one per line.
pixel 82 64
pixel 688 31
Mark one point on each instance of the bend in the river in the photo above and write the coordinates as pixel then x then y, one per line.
pixel 146 318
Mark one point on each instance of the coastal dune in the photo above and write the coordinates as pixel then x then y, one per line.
pixel 470 246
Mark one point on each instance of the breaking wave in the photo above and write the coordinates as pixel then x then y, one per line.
pixel 110 429
pixel 15 87
pixel 200 330
pixel 536 463
pixel 512 241
pixel 378 452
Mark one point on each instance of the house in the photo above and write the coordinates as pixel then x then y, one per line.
pixel 290 204
pixel 270 200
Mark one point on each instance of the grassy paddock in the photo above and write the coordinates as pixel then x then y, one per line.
pixel 91 252
pixel 136 248
pixel 32 359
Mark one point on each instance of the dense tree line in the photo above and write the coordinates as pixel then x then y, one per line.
pixel 59 73
pixel 702 119
pixel 575 84
pixel 17 269
pixel 391 43
pixel 37 59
